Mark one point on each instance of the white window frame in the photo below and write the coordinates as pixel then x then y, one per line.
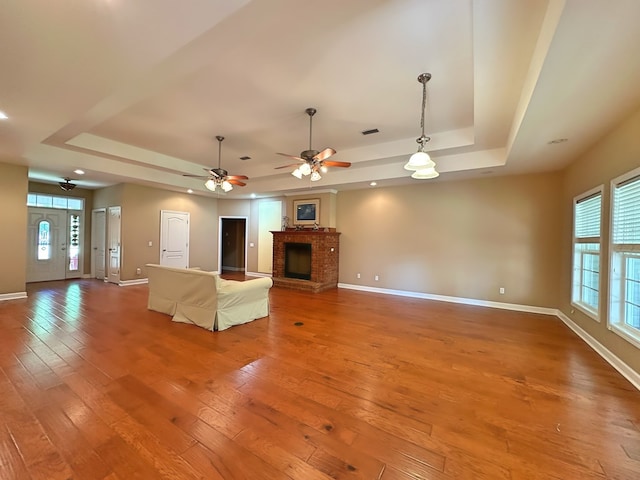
pixel 578 269
pixel 618 253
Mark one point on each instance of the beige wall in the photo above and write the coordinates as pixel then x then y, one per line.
pixel 108 197
pixel 328 204
pixel 464 239
pixel 13 218
pixel 610 157
pixel 141 208
pixel 87 195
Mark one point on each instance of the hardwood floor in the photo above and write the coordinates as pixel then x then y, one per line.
pixel 340 384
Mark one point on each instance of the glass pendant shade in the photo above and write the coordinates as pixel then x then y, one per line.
pixel 210 185
pixel 425 173
pixel 297 173
pixel 226 186
pixel 419 161
pixel 305 168
pixel 315 176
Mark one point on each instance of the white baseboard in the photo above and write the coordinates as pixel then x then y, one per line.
pixel 625 370
pixel 12 296
pixel 445 298
pixel 137 281
pixel 257 274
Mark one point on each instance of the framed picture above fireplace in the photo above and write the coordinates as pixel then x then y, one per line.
pixel 306 212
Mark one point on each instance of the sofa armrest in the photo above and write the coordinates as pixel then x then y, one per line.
pixel 242 302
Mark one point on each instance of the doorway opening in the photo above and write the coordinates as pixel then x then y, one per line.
pixel 233 244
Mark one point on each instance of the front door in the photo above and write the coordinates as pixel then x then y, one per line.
pixel 113 242
pixel 47 244
pixel 98 243
pixel 174 239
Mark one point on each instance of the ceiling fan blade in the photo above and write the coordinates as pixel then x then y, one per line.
pixel 236 182
pixel 326 153
pixel 288 166
pixel 330 163
pixel 237 177
pixel 195 176
pixel 290 156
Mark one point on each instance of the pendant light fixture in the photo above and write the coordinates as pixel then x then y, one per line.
pixel 67 186
pixel 420 162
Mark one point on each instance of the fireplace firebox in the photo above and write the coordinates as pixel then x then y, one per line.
pixel 297 260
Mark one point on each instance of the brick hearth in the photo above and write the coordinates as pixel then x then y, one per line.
pixel 325 249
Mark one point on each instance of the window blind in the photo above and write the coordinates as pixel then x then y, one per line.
pixel 587 217
pixel 626 212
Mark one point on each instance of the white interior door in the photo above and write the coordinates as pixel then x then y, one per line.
pixel 47 244
pixel 269 219
pixel 113 242
pixel 98 243
pixel 174 239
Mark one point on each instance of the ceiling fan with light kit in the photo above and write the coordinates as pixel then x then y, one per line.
pixel 219 177
pixel 313 161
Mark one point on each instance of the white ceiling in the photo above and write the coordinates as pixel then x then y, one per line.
pixel 136 91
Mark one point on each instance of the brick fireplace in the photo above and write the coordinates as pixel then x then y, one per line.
pixel 324 253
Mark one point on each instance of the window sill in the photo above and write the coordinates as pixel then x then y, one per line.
pixel 587 312
pixel 630 334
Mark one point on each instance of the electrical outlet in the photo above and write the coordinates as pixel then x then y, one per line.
pixel 357 275
pixel 501 290
pixel 376 278
pixel 138 271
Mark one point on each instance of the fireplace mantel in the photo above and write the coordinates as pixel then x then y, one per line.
pixel 325 249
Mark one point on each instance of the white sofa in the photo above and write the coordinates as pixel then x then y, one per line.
pixel 204 299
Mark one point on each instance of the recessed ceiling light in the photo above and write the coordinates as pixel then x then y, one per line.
pixel 189 191
pixel 558 140
pixel 373 184
pixel 253 195
pixel 77 171
pixel 3 116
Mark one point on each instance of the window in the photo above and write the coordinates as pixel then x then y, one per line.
pixel 587 215
pixel 624 307
pixel 51 201
pixel 44 240
pixel 74 242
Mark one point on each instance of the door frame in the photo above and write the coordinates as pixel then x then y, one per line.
pixel 220 239
pixel 94 213
pixel 108 275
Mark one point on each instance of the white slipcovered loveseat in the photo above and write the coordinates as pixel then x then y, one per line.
pixel 204 299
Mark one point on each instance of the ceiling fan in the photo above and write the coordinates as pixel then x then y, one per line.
pixel 313 161
pixel 219 177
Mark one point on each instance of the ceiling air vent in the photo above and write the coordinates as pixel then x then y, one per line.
pixel 370 132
